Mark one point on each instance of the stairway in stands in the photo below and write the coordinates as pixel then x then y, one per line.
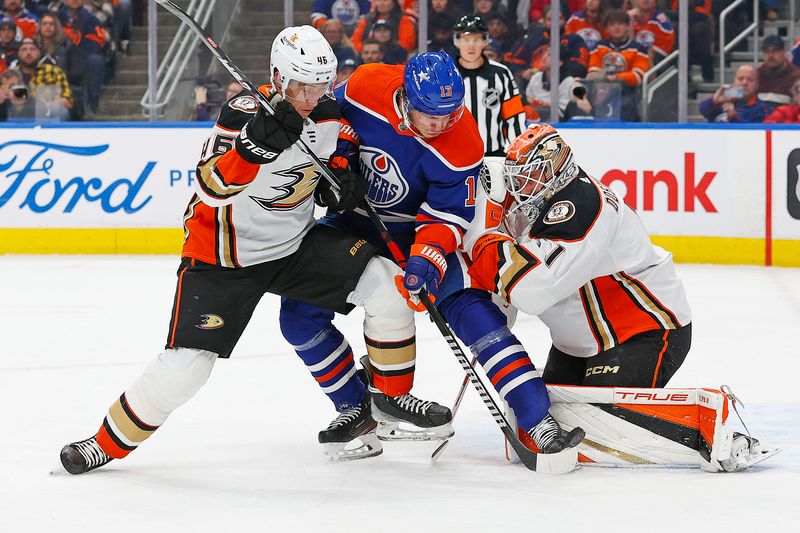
pixel 743 55
pixel 250 37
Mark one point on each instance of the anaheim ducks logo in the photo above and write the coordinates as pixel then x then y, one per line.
pixel 560 212
pixel 387 186
pixel 246 104
pixel 298 188
pixel 614 63
pixel 211 322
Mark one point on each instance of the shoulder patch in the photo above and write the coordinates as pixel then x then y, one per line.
pixel 571 212
pixel 245 103
pixel 559 212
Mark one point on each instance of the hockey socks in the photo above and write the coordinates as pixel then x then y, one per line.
pixel 392 364
pixel 482 326
pixel 329 358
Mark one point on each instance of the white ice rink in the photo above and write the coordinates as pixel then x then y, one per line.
pixel 242 455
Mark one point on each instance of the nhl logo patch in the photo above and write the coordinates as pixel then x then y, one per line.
pixel 560 212
pixel 247 104
pixel 491 98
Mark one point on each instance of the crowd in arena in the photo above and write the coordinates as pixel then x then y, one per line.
pixel 606 48
pixel 56 56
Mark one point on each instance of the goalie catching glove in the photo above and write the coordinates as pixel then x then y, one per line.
pixel 266 136
pixel 351 194
pixel 425 269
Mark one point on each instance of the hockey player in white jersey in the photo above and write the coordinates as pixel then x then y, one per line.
pixel 572 253
pixel 250 229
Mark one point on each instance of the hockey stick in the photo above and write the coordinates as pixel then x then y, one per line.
pixel 527 456
pixel 456 404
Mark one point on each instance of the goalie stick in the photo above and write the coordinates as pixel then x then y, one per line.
pixel 527 456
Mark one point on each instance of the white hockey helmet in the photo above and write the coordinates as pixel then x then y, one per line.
pixel 302 62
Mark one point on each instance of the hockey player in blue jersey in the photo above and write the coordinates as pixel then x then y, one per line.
pixel 420 154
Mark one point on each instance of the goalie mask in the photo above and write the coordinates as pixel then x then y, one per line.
pixel 432 99
pixel 538 164
pixel 303 65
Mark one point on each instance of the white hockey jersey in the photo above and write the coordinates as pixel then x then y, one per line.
pixel 244 214
pixel 587 268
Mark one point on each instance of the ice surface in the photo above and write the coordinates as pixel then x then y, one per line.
pixel 243 456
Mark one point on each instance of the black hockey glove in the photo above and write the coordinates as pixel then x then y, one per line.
pixel 265 136
pixel 351 195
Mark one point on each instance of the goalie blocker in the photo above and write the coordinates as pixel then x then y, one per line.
pixel 655 427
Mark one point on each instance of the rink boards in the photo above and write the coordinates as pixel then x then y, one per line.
pixel 708 194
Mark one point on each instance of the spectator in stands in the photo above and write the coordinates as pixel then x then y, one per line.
pixel 737 102
pixel 588 23
pixel 47 82
pixel 345 68
pixel 39 7
pixel 520 59
pixel 333 31
pixel 401 25
pixel 796 53
pixel 440 33
pixel 86 32
pixel 209 98
pixel 348 12
pixel 485 8
pixel 571 103
pixel 790 113
pixel 652 29
pixel 443 7
pixel 8 42
pixel 63 53
pixel 371 52
pixel 13 94
pixel 503 32
pixel 393 53
pixel 26 21
pixel 777 74
pixel 772 7
pixel 620 59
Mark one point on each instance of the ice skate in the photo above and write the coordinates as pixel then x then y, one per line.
pixel 351 435
pixel 745 452
pixel 550 438
pixel 83 456
pixel 421 420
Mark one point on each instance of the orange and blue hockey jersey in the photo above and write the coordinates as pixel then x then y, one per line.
pixel 423 189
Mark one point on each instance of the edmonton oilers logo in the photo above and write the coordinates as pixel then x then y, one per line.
pixel 387 186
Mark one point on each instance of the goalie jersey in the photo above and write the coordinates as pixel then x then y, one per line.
pixel 415 184
pixel 243 214
pixel 587 268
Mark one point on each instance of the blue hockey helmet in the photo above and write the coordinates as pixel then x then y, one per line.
pixel 434 88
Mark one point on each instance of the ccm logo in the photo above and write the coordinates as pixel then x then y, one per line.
pixel 601 370
pixel 654 396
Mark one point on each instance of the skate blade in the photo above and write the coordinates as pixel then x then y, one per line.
pixel 392 431
pixel 59 471
pixel 762 455
pixel 361 448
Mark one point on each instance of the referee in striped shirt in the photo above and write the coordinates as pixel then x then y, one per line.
pixel 491 95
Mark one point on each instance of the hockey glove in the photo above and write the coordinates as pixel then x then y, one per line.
pixel 425 269
pixel 265 136
pixel 350 195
